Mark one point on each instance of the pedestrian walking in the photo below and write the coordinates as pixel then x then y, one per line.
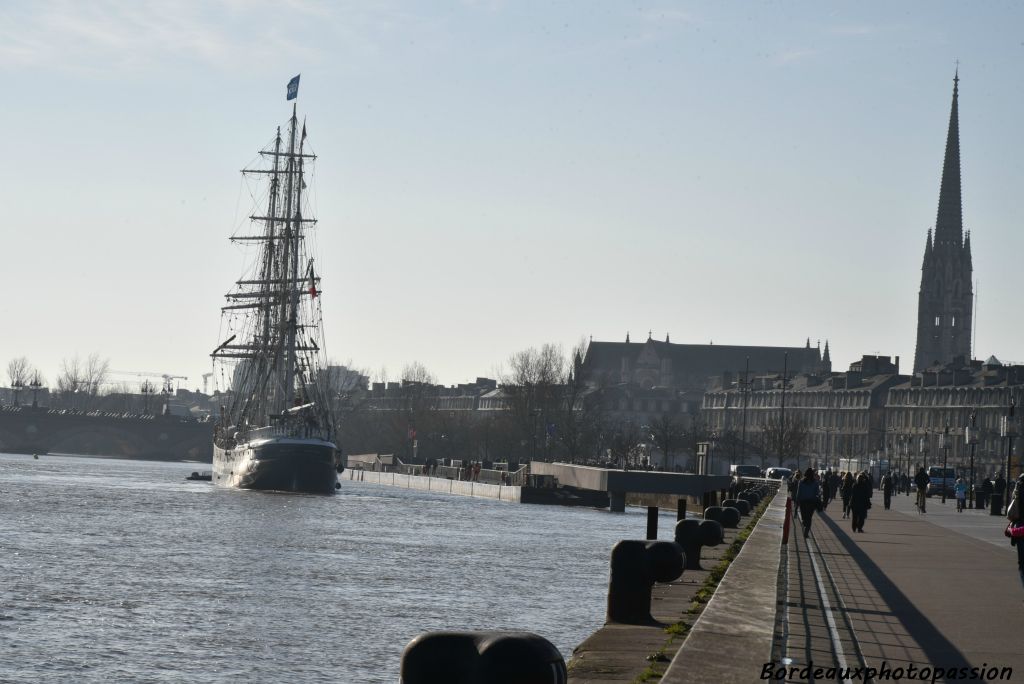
pixel 986 490
pixel 846 491
pixel 921 480
pixel 826 488
pixel 860 502
pixel 1013 514
pixel 887 490
pixel 808 494
pixel 960 490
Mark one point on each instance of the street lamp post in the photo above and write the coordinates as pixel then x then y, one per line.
pixel 944 445
pixel 972 440
pixel 1007 432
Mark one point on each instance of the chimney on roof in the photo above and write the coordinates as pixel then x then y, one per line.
pixel 897 365
pixel 627 337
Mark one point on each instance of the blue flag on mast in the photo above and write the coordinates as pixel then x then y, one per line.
pixel 293 88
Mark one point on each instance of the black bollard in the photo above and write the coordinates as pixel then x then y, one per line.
pixel 729 517
pixel 743 506
pixel 652 522
pixel 713 513
pixel 482 658
pixel 635 566
pixel 681 510
pixel 693 534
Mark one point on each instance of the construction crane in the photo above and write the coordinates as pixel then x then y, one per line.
pixel 206 378
pixel 166 377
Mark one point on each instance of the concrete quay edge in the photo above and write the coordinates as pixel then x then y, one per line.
pixel 732 638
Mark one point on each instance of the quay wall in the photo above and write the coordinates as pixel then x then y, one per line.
pixel 436 484
pixel 28 430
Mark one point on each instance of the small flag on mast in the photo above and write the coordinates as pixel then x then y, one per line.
pixel 293 88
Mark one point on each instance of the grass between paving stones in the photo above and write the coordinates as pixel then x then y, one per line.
pixel 678 631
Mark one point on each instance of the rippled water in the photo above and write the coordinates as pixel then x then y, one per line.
pixel 115 570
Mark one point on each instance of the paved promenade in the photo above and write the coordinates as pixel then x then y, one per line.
pixel 939 590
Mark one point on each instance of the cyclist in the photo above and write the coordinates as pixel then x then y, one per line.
pixel 921 480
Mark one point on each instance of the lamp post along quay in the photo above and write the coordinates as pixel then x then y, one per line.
pixel 1007 431
pixel 944 445
pixel 971 434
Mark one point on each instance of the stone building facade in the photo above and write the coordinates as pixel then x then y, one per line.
pixel 920 409
pixel 840 415
pixel 639 382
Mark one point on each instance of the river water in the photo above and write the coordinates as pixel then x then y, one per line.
pixel 115 570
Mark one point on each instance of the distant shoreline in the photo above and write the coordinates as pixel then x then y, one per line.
pixel 156 458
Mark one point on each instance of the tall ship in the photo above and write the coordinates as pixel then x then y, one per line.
pixel 275 429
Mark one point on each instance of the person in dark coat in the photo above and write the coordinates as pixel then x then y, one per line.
pixel 887 489
pixel 826 490
pixel 860 502
pixel 1000 488
pixel 1014 515
pixel 986 491
pixel 845 491
pixel 808 498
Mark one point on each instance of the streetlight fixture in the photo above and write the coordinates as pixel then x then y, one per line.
pixel 971 434
pixel 1007 432
pixel 944 445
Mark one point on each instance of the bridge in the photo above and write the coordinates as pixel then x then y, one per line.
pixel 30 430
pixel 618 483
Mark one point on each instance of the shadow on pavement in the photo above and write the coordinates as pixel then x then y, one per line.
pixel 936 647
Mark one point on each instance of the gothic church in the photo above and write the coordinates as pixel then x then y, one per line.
pixel 944 305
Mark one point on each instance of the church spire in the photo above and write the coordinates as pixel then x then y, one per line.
pixel 949 224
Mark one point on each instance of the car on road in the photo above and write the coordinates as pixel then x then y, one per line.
pixel 778 473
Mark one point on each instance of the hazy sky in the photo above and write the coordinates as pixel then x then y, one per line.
pixel 496 175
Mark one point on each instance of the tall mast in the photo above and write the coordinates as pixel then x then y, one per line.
pixel 287 277
pixel 293 324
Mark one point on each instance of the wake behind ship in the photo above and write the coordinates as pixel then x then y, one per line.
pixel 275 430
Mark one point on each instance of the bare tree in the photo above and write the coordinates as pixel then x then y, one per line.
pixel 96 371
pixel 667 433
pixel 623 443
pixel 786 441
pixel 71 376
pixel 535 391
pixel 417 372
pixel 19 371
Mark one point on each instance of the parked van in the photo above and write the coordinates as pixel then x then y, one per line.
pixel 936 481
pixel 745 471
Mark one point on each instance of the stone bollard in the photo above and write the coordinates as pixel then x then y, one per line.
pixel 635 566
pixel 693 534
pixel 482 658
pixel 743 506
pixel 729 517
pixel 713 513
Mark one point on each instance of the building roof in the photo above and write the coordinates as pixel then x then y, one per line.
pixel 703 359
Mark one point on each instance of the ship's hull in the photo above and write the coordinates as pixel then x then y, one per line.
pixel 285 464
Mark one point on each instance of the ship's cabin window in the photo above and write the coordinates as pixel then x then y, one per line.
pixel 952 322
pixel 937 321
